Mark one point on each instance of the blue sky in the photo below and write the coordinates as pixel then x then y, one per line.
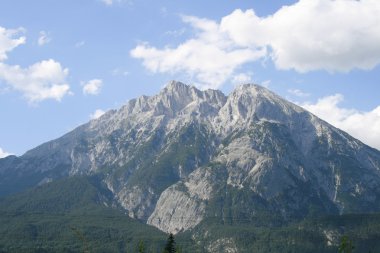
pixel 65 62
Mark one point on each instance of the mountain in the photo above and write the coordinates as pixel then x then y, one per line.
pixel 185 159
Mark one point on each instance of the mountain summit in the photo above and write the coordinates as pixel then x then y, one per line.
pixel 184 157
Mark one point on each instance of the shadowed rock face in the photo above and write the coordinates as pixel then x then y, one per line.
pixel 184 155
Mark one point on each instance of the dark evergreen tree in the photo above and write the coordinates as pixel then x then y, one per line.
pixel 170 245
pixel 141 247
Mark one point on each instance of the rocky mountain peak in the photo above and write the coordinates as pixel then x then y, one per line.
pixel 184 92
pixel 170 159
pixel 177 87
pixel 250 103
pixel 176 95
pixel 264 102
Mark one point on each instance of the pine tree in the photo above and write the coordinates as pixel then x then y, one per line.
pixel 170 245
pixel 141 247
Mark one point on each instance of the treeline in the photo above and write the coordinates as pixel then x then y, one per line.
pixel 55 218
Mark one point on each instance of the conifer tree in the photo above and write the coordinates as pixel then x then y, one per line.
pixel 141 247
pixel 170 245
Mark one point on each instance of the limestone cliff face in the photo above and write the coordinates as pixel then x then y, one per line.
pixel 178 158
pixel 182 206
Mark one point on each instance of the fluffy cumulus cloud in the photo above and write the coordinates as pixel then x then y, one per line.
pixel 92 87
pixel 42 80
pixel 364 126
pixel 44 38
pixel 4 154
pixel 332 35
pixel 10 39
pixel 97 114
pixel 210 57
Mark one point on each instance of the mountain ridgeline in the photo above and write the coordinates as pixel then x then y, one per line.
pixel 186 160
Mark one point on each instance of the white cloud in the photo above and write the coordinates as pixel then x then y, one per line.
pixel 338 35
pixel 298 93
pixel 210 57
pixel 42 80
pixel 92 87
pixel 242 78
pixel 362 125
pixel 4 154
pixel 335 35
pixel 97 114
pixel 44 38
pixel 10 39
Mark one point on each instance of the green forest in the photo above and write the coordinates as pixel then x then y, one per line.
pixel 77 215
